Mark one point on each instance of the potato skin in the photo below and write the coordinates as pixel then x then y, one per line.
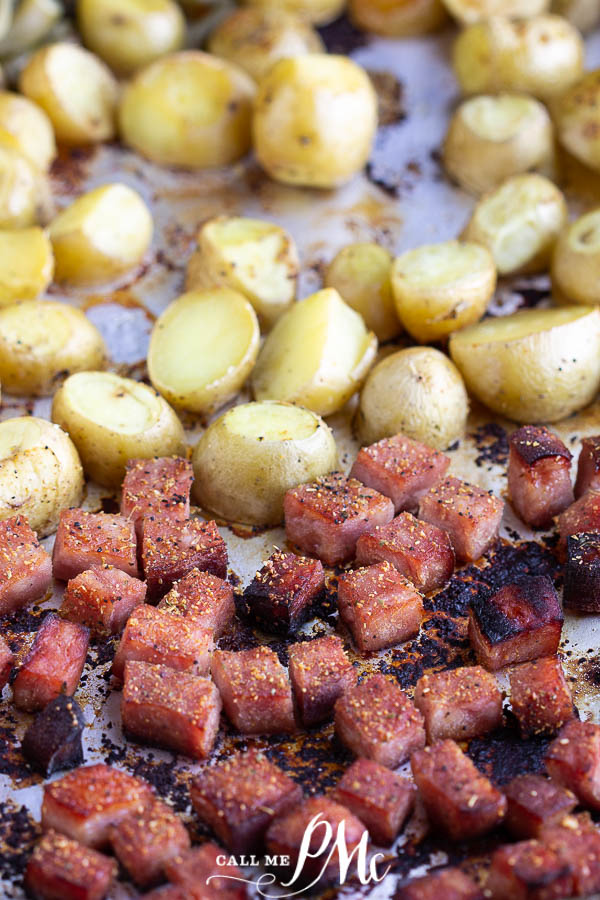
pixel 320 12
pixel 576 118
pixel 315 120
pixel 243 476
pixel 188 109
pixel 26 264
pixel 467 12
pixel 20 185
pixel 583 14
pixel 29 125
pixel 418 392
pixel 576 261
pixel 391 18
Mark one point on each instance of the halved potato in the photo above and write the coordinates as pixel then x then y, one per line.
pixel 576 261
pixel 203 348
pixel 519 223
pixel 40 472
pixel 397 18
pixel 318 11
pixel 26 264
pixel 30 127
pixel 439 288
pixel 31 22
pixel 101 236
pixel 76 90
pixel 256 258
pixel 22 192
pixel 576 117
pixel 112 419
pixel 246 461
pixel 316 356
pixel 583 14
pixel 538 365
pixel 467 12
pixel 418 392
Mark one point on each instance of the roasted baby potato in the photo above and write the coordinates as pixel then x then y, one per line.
pixel 519 223
pixel 467 12
pixel 31 128
pixel 392 18
pixel 21 186
pixel 188 109
pixel 246 461
pixel 583 14
pixel 576 117
pixel 76 90
pixel 318 11
pixel 101 236
pixel 129 34
pixel 491 138
pixel 317 355
pixel 203 348
pixel 538 365
pixel 439 288
pixel 256 258
pixel 112 419
pixel 42 341
pixel 26 264
pixel 31 23
pixel 315 120
pixel 576 261
pixel 40 472
pixel 256 38
pixel 542 56
pixel 361 274
pixel 418 392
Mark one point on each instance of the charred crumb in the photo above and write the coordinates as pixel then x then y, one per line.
pixel 391 100
pixel 12 761
pixel 234 579
pixel 18 834
pixel 112 752
pixel 316 763
pixel 169 782
pixel 238 636
pixel 445 649
pixel 110 505
pixel 103 652
pixel 342 37
pixel 20 624
pixel 591 669
pixel 491 441
pixel 504 753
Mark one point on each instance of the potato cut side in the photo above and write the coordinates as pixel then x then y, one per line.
pixel 469 11
pixel 318 11
pixel 203 348
pixel 26 264
pixel 392 19
pixel 30 127
pixel 31 22
pixel 576 261
pixel 20 186
pixel 575 114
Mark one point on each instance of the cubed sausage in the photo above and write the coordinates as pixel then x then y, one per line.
pixel 581 590
pixel 320 672
pixel 581 516
pixel 540 696
pixel 53 740
pixel 535 802
pixel 25 567
pixel 459 703
pixel 84 540
pixel 588 466
pixel 381 799
pixel 156 487
pixel 280 596
pixel 6 662
pixel 449 884
pixel 470 515
pixel 573 760
pixel 198 870
pixel 529 870
pixel 172 549
pixel 62 869
pixel 203 597
pixel 143 843
pixel 539 475
pixel 102 599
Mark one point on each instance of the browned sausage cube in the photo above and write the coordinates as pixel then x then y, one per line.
pixel 156 487
pixel 62 869
pixel 204 597
pixel 577 844
pixel 581 516
pixel 281 594
pixel 582 573
pixel 535 802
pixel 459 800
pixel 401 469
pixel 520 622
pixel 378 797
pixel 239 798
pixel 54 664
pixel 143 843
pixel 102 599
pixel 172 549
pixel 449 884
pixel 84 803
pixel 171 709
pixel 459 703
pixel 6 662
pixel 25 567
pixel 573 760
pixel 379 606
pixel 529 870
pixel 588 466
pixel 470 515
pixel 376 719
pixel 155 636
pixel 539 479
pixel 327 517
pixel 540 696
pixel 417 549
pixel 320 672
pixel 84 540
pixel 192 869
pixel 255 690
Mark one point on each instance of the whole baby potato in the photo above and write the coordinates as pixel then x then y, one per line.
pixel 26 264
pixel 576 117
pixel 397 18
pixel 576 261
pixel 188 109
pixel 467 12
pixel 318 11
pixel 31 128
pixel 315 120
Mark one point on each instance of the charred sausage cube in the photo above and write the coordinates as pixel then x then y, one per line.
pixel 470 515
pixel 576 841
pixel 192 869
pixel 529 870
pixel 53 665
pixel 376 719
pixel 281 594
pixel 449 884
pixel 203 597
pixel 520 622
pixel 535 802
pixel 401 469
pixel 143 843
pixel 327 517
pixel 320 672
pixel 540 696
pixel 255 690
pixel 459 703
pixel 378 797
pixel 63 869
pixel 239 798
pixel 459 800
pixel 379 606
pixel 573 760
pixel 588 466
pixel 582 572
pixel 6 662
pixel 53 740
pixel 581 516
pixel 25 567
pixel 420 551
pixel 102 599
pixel 539 479
pixel 156 487
pixel 172 549
pixel 155 636
pixel 171 709
pixel 84 540
pixel 84 803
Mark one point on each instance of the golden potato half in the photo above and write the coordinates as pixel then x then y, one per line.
pixel 439 288
pixel 318 11
pixel 467 12
pixel 246 461
pixel 418 392
pixel 577 123
pixel 398 18
pixel 189 109
pixel 256 258
pixel 30 127
pixel 203 348
pixel 583 14
pixel 30 22
pixel 576 261
pixel 538 365
pixel 40 472
pixel 22 190
pixel 26 264
pixel 317 355
pixel 112 419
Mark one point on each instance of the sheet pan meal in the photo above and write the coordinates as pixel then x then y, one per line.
pixel 391 705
